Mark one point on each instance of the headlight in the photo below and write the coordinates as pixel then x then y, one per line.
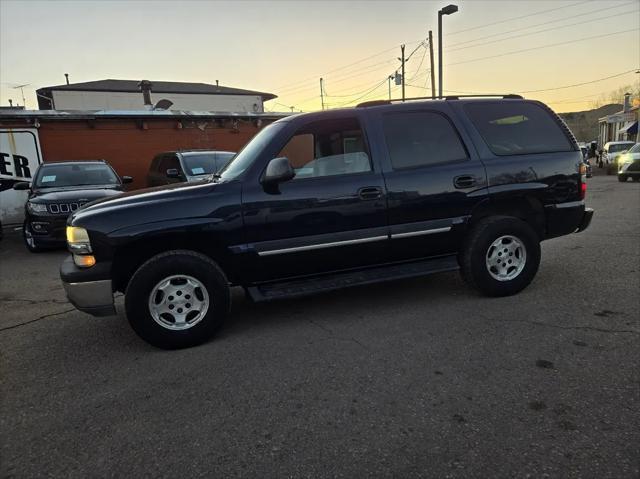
pixel 78 240
pixel 36 207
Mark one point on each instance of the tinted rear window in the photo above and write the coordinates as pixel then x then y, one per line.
pixel 421 138
pixel 518 128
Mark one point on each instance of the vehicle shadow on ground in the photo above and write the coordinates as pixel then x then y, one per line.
pixel 352 304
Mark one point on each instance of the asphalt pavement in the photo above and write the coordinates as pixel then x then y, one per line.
pixel 417 378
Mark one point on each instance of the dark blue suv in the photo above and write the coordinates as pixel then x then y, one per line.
pixel 331 199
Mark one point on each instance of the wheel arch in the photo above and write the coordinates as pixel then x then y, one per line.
pixel 130 256
pixel 525 207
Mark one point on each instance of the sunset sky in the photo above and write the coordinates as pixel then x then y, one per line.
pixel 285 47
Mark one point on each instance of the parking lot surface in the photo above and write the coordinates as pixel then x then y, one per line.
pixel 413 378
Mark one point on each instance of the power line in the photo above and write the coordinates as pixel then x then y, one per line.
pixel 366 94
pixel 580 84
pixel 544 46
pixel 542 31
pixel 351 74
pixel 415 74
pixel 357 73
pixel 543 89
pixel 538 25
pixel 517 18
pixel 328 73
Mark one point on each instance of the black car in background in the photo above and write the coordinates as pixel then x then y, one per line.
pixel 186 165
pixel 58 189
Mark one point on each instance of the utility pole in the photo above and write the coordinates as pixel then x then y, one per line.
pixel 321 94
pixel 402 50
pixel 433 73
pixel 389 81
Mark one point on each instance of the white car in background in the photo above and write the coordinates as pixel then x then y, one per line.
pixel 613 149
pixel 629 164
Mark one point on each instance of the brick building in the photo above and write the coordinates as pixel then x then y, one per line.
pixel 127 140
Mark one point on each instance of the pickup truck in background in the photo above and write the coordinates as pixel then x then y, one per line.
pixel 332 199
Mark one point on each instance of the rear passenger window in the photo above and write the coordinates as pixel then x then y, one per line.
pixel 421 138
pixel 518 128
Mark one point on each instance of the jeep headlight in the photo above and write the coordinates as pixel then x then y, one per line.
pixel 36 207
pixel 78 240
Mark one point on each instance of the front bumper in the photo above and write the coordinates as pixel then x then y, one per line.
pixel 88 289
pixel 48 230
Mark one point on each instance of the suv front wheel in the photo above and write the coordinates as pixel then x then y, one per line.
pixel 500 256
pixel 177 299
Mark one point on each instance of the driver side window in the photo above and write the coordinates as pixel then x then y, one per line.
pixel 328 148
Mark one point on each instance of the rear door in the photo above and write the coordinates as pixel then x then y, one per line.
pixel 433 175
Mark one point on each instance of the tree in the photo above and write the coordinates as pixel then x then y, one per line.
pixel 617 96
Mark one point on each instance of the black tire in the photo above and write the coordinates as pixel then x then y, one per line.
pixel 622 178
pixel 29 241
pixel 473 262
pixel 636 178
pixel 162 266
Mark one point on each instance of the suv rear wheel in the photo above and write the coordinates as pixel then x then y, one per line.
pixel 500 256
pixel 177 299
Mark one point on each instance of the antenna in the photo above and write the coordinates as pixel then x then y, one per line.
pixel 22 92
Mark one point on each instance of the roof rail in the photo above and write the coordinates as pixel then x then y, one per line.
pixel 509 96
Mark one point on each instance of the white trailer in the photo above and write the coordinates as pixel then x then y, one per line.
pixel 20 156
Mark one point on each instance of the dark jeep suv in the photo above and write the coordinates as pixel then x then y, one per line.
pixel 59 189
pixel 331 199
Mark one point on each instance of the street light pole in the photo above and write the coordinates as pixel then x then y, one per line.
pixel 448 10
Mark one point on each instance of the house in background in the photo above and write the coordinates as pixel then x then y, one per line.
pixel 126 95
pixel 620 126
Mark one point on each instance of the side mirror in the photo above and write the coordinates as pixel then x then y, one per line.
pixel 278 170
pixel 21 185
pixel 173 173
pixel 126 179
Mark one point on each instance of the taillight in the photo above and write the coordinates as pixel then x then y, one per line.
pixel 582 169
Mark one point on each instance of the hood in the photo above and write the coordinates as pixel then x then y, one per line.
pixel 82 194
pixel 153 194
pixel 178 200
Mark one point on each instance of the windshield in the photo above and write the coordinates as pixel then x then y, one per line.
pixel 251 150
pixel 81 174
pixel 619 147
pixel 635 149
pixel 197 164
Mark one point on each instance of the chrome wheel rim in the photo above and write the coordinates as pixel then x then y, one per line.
pixel 506 258
pixel 178 302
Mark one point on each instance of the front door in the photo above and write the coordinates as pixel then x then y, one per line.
pixel 434 179
pixel 330 216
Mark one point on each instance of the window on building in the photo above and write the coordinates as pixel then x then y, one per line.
pixel 417 139
pixel 518 128
pixel 328 148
